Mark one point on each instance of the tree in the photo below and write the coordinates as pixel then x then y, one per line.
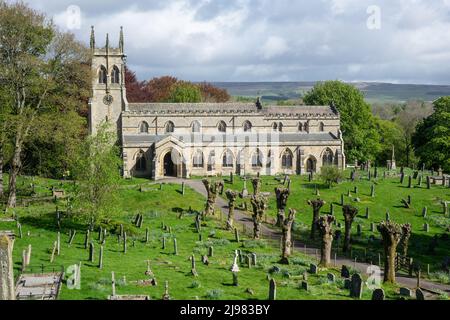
pixel 212 189
pixel 326 232
pixel 41 71
pixel 357 123
pixel 316 205
pixel 137 91
pixel 97 171
pixel 391 134
pixel 349 213
pixel 331 174
pixel 282 195
pixel 231 196
pixel 432 136
pixel 183 92
pixel 160 89
pixel 391 233
pixel 259 205
pixel 286 230
pixel 212 93
pixel 406 234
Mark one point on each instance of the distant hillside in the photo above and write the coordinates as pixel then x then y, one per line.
pixel 374 92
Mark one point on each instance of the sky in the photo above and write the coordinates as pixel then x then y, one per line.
pixel 397 41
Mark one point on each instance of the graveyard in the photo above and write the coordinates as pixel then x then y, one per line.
pixel 163 246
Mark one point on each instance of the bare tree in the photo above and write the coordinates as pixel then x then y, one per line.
pixel 316 205
pixel 212 189
pixel 391 233
pixel 231 196
pixel 259 204
pixel 326 232
pixel 256 182
pixel 349 213
pixel 286 229
pixel 282 195
pixel 406 234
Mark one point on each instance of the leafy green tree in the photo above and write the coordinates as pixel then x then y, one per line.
pixel 358 126
pixel 97 171
pixel 41 71
pixel 391 134
pixel 432 136
pixel 330 175
pixel 185 92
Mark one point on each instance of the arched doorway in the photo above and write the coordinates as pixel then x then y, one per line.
pixel 311 165
pixel 170 169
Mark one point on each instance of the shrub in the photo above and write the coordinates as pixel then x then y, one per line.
pixel 214 294
pixel 195 284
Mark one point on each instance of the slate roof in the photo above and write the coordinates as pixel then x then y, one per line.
pixel 208 138
pixel 229 107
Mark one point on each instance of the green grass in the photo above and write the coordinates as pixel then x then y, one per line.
pixel 214 281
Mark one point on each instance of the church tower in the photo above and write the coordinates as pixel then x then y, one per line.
pixel 108 98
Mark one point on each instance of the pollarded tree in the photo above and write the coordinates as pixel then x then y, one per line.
pixel 259 204
pixel 316 205
pixel 349 213
pixel 391 234
pixel 256 182
pixel 212 189
pixel 406 234
pixel 282 195
pixel 286 228
pixel 326 232
pixel 231 196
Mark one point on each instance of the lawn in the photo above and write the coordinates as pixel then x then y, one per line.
pixel 163 206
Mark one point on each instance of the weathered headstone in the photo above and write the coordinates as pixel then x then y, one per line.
pixel 313 268
pixel 424 212
pixel 367 213
pixel 356 286
pixel 331 277
pixel 175 246
pixel 409 181
pixel 211 251
pixel 372 191
pixel 428 182
pixel 419 294
pixel 100 258
pixel 272 290
pixel 91 252
pixel 345 272
pixel 405 292
pixel 378 294
pixel 304 285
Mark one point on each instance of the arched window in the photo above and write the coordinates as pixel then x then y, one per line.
pixel 143 127
pixel 321 127
pixel 269 159
pixel 247 126
pixel 115 75
pixel 196 126
pixel 222 127
pixel 257 159
pixel 286 159
pixel 141 162
pixel 227 159
pixel 275 126
pixel 327 158
pixel 170 127
pixel 280 127
pixel 197 161
pixel 212 161
pixel 102 75
pixel 300 126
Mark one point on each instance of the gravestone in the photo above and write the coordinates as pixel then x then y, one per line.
pixel 313 268
pixel 304 285
pixel 426 227
pixel 347 283
pixel 367 213
pixel 356 286
pixel 372 227
pixel 345 272
pixel 424 212
pixel 428 182
pixel 419 294
pixel 409 182
pixel 372 191
pixel 272 290
pixel 405 292
pixel 378 294
pixel 253 258
pixel 419 182
pixel 331 277
pixel 359 230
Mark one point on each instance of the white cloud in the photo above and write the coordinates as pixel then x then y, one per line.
pixel 269 40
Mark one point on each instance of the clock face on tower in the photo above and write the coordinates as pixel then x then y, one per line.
pixel 108 99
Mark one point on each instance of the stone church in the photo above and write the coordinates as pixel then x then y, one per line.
pixel 209 139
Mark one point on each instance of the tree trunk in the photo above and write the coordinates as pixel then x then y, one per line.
pixel 230 216
pixel 347 236
pixel 389 265
pixel 256 229
pixel 13 173
pixel 314 224
pixel 325 250
pixel 280 218
pixel 1 171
